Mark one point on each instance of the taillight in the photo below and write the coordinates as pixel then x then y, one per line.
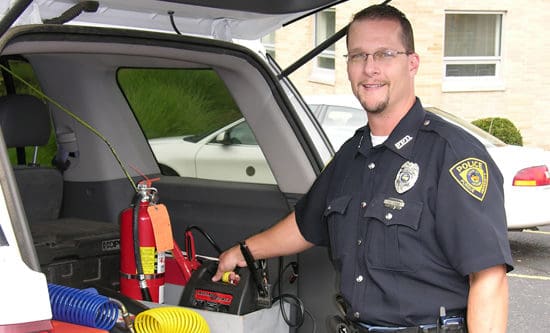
pixel 533 176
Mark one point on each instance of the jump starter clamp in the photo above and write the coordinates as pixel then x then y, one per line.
pixel 239 299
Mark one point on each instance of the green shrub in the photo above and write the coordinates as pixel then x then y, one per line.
pixel 501 128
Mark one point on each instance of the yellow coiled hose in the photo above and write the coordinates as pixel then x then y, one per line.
pixel 170 319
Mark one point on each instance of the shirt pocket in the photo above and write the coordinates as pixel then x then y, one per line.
pixel 392 235
pixel 339 224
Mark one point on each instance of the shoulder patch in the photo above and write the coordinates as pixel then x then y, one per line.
pixel 472 175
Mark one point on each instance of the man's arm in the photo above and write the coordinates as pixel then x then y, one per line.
pixel 284 238
pixel 488 301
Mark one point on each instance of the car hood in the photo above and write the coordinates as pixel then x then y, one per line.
pixel 221 19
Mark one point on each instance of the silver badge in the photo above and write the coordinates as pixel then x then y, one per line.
pixel 406 177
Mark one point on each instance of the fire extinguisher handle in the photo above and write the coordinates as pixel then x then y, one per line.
pixel 190 245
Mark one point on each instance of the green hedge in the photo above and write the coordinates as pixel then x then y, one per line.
pixel 502 128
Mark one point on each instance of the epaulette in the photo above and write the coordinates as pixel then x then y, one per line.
pixel 456 136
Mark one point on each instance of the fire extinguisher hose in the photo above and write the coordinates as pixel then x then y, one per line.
pixel 170 319
pixel 145 293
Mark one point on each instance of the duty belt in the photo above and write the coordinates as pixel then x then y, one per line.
pixel 341 325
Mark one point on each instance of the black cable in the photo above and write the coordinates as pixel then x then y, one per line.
pixel 312 320
pixel 74 11
pixel 146 295
pixel 287 297
pixel 207 236
pixel 171 14
pixel 297 302
pixel 292 264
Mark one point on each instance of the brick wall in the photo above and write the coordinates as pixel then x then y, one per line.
pixel 525 98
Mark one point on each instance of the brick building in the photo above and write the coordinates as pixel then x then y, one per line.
pixel 477 58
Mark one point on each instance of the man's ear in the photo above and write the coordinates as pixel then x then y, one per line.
pixel 414 63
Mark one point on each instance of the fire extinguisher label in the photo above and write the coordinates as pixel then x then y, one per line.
pixel 148 259
pixel 161 262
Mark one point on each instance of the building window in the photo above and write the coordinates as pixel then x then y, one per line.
pixel 325 23
pixel 472 52
pixel 269 43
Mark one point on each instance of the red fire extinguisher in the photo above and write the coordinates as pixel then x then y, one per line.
pixel 141 265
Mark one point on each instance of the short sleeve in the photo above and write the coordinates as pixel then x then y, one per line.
pixel 471 227
pixel 310 208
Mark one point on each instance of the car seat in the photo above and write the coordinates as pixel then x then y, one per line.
pixel 70 250
pixel 25 122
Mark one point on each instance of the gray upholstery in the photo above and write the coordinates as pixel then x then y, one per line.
pixel 41 191
pixel 25 122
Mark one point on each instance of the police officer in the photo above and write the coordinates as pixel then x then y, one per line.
pixel 411 206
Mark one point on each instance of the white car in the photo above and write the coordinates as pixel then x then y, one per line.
pixel 231 153
pixel 525 169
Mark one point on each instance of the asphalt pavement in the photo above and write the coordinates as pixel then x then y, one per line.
pixel 529 282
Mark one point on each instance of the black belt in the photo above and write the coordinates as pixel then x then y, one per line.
pixel 414 329
pixel 380 329
pixel 338 324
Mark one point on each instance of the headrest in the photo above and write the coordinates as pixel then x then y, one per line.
pixel 25 121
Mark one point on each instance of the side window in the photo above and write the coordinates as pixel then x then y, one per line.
pixel 473 50
pixel 240 134
pixel 341 122
pixel 10 85
pixel 347 116
pixel 193 125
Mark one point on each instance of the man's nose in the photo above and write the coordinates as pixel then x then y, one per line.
pixel 370 67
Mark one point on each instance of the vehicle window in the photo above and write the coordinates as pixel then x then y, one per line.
pixel 182 113
pixel 10 85
pixel 239 134
pixel 345 116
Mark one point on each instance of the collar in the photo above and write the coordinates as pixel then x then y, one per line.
pixel 403 136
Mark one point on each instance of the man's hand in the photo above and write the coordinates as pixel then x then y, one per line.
pixel 282 239
pixel 229 260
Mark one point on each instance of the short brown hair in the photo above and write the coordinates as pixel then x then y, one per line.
pixel 387 12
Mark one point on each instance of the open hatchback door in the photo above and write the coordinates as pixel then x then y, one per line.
pixel 237 145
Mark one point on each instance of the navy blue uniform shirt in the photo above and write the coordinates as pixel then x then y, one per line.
pixel 408 220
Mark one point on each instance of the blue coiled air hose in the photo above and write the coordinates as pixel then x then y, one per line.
pixel 82 307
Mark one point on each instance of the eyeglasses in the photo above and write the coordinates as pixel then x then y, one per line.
pixel 379 57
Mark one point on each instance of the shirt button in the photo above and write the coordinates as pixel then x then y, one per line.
pixel 389 216
pixel 356 315
pixel 329 207
pixel 359 241
pixel 371 165
pixel 359 278
pixel 363 204
pixel 426 122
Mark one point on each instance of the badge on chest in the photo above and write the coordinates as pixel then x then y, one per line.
pixel 406 177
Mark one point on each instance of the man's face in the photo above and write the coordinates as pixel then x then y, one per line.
pixel 387 82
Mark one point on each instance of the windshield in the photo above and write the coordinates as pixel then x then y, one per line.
pixel 487 139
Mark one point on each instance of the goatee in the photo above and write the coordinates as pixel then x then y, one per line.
pixel 378 108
